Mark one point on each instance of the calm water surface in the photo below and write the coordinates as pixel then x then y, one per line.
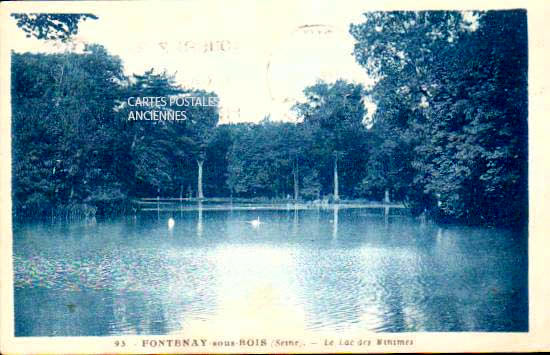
pixel 325 269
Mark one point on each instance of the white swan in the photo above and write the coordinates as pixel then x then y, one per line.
pixel 255 222
pixel 171 223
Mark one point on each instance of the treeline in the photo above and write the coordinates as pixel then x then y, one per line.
pixel 452 104
pixel 448 138
pixel 73 145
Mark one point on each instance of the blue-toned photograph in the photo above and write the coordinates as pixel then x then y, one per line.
pixel 355 170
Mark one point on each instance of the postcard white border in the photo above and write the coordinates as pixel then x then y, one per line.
pixel 538 337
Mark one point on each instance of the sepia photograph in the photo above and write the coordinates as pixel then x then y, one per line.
pixel 198 177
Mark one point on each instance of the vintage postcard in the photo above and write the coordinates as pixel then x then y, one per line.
pixel 261 176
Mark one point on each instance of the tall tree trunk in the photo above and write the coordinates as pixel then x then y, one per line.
pixel 336 194
pixel 199 180
pixel 296 182
pixel 133 142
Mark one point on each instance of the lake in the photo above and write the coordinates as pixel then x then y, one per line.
pixel 328 269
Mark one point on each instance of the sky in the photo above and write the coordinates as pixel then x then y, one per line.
pixel 257 56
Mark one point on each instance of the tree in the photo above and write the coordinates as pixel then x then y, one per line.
pixel 264 158
pixel 165 151
pixel 334 114
pixel 482 98
pixel 156 148
pixel 453 92
pixel 51 26
pixel 202 120
pixel 217 152
pixel 63 125
pixel 398 48
pixel 312 186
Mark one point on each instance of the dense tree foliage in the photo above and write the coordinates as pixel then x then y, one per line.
pixel 165 153
pixel 262 160
pixel 334 115
pixel 73 144
pixel 452 97
pixel 51 26
pixel 64 128
pixel 323 155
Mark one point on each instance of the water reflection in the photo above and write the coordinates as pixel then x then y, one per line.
pixel 323 269
pixel 199 220
pixel 295 223
pixel 335 222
